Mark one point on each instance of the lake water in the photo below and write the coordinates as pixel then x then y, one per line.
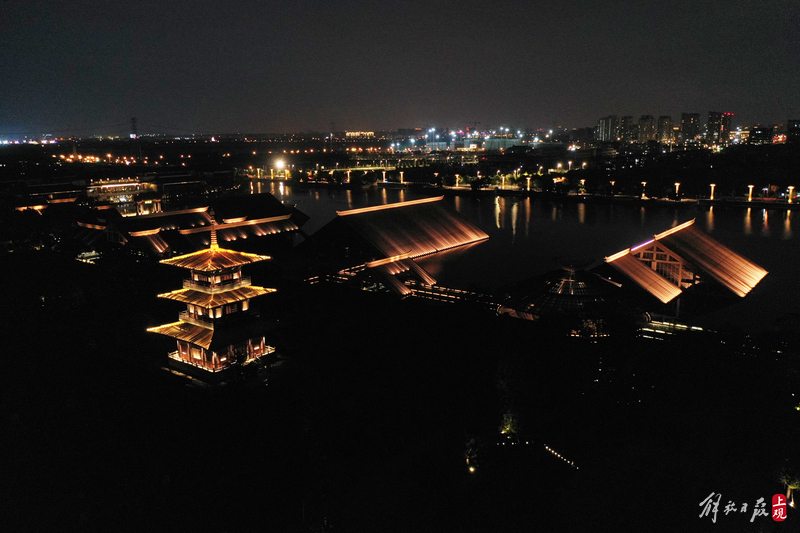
pixel 532 236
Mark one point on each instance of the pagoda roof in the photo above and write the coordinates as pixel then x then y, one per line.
pixel 213 258
pixel 210 338
pixel 215 299
pixel 186 332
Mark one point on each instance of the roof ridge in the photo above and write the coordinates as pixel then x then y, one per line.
pixel 382 207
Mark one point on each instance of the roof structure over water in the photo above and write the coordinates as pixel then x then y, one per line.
pixel 677 258
pixel 416 228
pixel 376 246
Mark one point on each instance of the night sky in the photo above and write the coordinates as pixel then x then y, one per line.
pixel 81 68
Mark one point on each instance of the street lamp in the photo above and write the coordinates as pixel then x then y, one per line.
pixel 677 188
pixel 644 184
pixel 384 176
pixel 570 165
pixel 791 190
pixel 529 183
pixel 712 190
pixel 750 194
pixel 401 176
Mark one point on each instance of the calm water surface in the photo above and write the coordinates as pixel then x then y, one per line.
pixel 531 236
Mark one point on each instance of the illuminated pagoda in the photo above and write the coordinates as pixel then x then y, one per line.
pixel 217 331
pixel 680 258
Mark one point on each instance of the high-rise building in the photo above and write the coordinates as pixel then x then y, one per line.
pixel 718 128
pixel 628 131
pixel 647 128
pixel 713 127
pixel 690 127
pixel 607 128
pixel 664 133
pixel 725 130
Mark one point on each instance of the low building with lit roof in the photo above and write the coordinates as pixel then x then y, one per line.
pixel 677 261
pixel 374 248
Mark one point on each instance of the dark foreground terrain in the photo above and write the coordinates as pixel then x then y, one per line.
pixel 369 425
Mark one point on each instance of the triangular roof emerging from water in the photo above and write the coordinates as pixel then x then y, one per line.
pixel 415 228
pixel 686 243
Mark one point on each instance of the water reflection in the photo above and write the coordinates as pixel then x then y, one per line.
pixel 497 210
pixel 514 214
pixel 581 213
pixel 710 219
pixel 748 228
pixel 527 215
pixel 765 223
pixel 787 225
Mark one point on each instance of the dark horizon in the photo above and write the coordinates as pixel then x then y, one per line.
pixel 80 69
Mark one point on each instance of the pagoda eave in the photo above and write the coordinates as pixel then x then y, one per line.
pixel 184 331
pixel 210 300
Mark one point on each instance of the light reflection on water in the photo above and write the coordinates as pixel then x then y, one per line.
pixel 553 232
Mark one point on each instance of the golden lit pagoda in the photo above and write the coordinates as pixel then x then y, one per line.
pixel 217 331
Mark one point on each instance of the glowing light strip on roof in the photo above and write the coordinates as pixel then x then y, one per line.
pixel 379 262
pixel 170 213
pixel 674 230
pixel 220 227
pixel 91 226
pixel 643 244
pixel 389 206
pixel 144 233
pixel 616 256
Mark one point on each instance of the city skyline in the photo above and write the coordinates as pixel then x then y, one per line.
pixel 263 67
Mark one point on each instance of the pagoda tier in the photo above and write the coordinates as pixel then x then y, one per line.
pixel 217 329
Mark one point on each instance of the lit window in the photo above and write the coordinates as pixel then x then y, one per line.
pixel 245 305
pixel 219 312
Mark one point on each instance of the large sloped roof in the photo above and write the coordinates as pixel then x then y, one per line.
pixel 721 263
pixel 646 277
pixel 416 228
